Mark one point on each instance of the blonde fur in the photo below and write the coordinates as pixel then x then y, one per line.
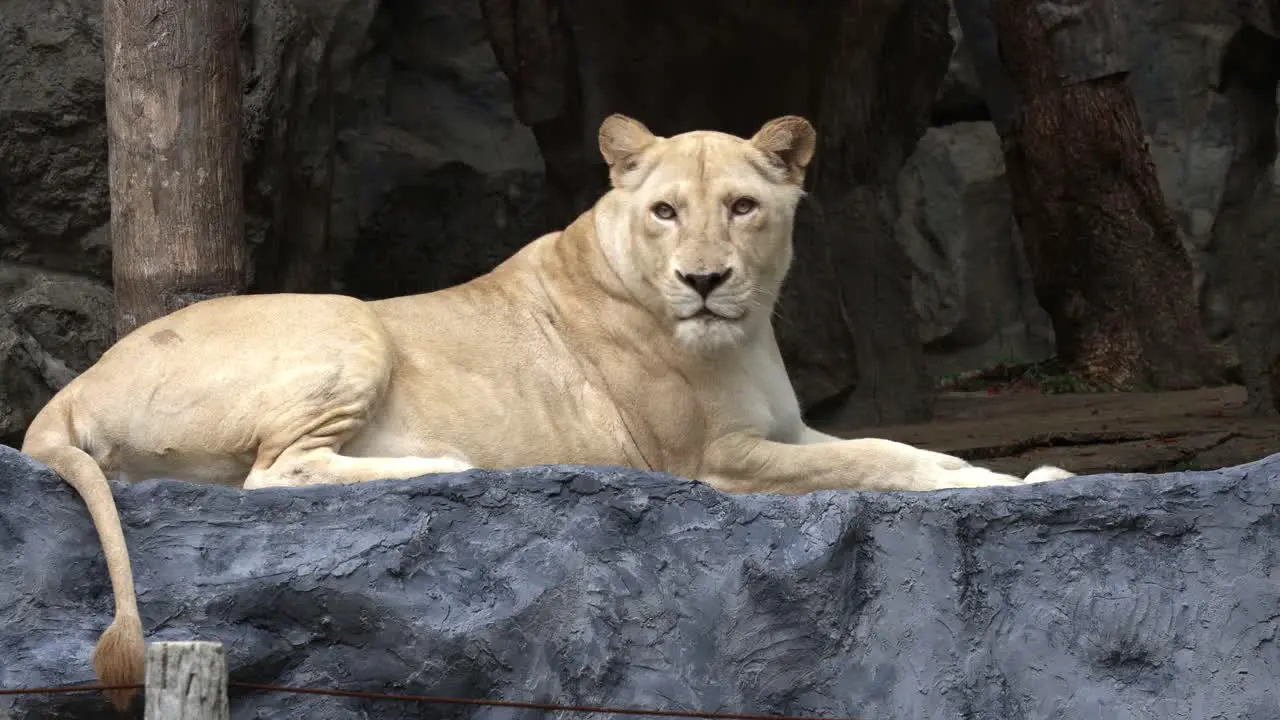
pixel 590 345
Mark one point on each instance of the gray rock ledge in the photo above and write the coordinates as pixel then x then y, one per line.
pixel 1111 596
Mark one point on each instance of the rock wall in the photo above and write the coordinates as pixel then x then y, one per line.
pixel 971 283
pixel 436 181
pixel 53 326
pixel 1099 597
pixel 384 156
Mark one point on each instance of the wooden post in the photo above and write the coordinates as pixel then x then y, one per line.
pixel 187 681
pixel 173 102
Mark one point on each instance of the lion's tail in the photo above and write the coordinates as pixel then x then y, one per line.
pixel 119 657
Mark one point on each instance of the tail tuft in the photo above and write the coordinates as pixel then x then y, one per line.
pixel 120 658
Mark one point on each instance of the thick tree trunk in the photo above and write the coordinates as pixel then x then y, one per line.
pixel 884 62
pixel 1105 253
pixel 1247 241
pixel 173 121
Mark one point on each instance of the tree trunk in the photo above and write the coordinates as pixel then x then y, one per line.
pixel 884 62
pixel 1246 238
pixel 1105 252
pixel 173 101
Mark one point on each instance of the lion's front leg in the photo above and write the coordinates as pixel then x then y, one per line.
pixel 745 464
pixel 1044 473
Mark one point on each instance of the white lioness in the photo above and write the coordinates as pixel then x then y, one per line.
pixel 638 336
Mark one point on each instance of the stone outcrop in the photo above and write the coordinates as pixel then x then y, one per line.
pixel 436 180
pixel 52 326
pixel 971 285
pixel 1097 597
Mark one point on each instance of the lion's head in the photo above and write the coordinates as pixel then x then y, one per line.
pixel 698 225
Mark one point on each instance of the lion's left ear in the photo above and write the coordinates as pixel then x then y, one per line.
pixel 622 139
pixel 792 140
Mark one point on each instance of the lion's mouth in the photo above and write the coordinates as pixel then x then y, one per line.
pixel 706 313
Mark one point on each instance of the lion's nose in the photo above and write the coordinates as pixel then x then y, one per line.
pixel 704 283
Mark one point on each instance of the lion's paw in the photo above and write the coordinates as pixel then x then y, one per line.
pixel 1047 473
pixel 443 465
pixel 974 477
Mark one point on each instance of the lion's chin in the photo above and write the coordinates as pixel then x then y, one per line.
pixel 708 333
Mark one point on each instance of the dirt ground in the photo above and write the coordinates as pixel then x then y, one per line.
pixel 1093 432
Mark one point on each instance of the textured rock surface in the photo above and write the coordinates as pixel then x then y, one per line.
pixel 52 327
pixel 971 283
pixel 1100 597
pixel 54 201
pixel 298 61
pixel 436 181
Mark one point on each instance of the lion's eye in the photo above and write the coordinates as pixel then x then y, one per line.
pixel 663 211
pixel 743 205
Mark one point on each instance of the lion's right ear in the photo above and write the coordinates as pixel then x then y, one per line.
pixel 622 139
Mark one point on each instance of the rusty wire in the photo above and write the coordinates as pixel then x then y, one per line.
pixel 441 700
